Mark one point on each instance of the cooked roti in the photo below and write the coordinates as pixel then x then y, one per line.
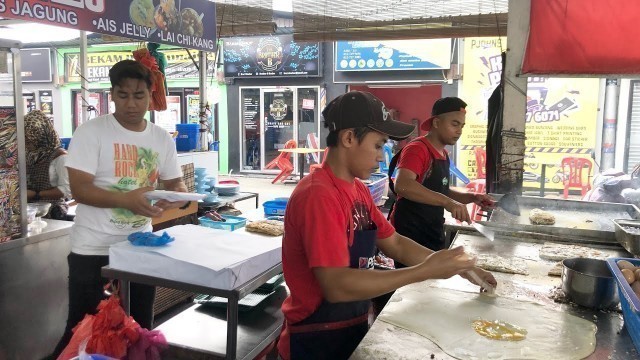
pixel 502 264
pixel 559 252
pixel 267 227
pixel 541 217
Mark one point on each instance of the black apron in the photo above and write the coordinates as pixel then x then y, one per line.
pixel 420 222
pixel 334 330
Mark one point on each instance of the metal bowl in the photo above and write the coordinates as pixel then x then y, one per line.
pixel 41 208
pixel 588 282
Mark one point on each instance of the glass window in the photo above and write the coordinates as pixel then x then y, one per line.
pixel 251 125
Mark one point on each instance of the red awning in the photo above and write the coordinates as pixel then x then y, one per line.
pixel 583 37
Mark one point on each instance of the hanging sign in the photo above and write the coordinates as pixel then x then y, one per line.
pixel 179 64
pixel 425 54
pixel 175 22
pixel 270 56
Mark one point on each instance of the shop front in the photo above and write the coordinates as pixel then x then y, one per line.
pixel 278 88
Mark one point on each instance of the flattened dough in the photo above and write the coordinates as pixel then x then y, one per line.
pixel 556 270
pixel 502 264
pixel 267 227
pixel 541 217
pixel 445 316
pixel 558 252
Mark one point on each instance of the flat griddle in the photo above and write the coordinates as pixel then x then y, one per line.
pixel 574 219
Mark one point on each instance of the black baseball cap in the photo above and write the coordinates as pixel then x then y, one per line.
pixel 443 106
pixel 362 109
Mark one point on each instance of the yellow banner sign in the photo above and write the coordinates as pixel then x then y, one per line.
pixel 561 117
pixel 179 64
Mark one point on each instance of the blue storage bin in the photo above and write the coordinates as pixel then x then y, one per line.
pixel 628 300
pixel 232 223
pixel 275 207
pixel 188 137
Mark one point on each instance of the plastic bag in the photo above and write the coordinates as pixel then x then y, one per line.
pixel 148 346
pixel 110 332
pixel 149 239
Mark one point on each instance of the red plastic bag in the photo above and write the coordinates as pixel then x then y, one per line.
pixel 110 332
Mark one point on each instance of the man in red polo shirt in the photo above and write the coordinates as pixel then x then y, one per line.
pixel 332 228
pixel 422 182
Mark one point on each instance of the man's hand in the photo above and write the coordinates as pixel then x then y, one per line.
pixel 458 211
pixel 484 275
pixel 485 201
pixel 173 185
pixel 135 201
pixel 444 264
pixel 166 205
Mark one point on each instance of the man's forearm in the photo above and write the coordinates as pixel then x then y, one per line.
pixel 462 197
pixel 92 195
pixel 414 191
pixel 404 249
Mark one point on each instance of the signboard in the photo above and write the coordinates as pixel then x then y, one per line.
pixel 36 65
pixel 168 119
pixel 270 56
pixel 560 120
pixel 46 102
pixel 179 23
pixel 393 55
pixel 179 64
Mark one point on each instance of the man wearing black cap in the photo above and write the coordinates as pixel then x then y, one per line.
pixel 332 228
pixel 422 182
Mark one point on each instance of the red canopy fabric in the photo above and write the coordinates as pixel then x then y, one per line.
pixel 583 37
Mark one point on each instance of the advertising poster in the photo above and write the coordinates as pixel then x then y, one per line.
pixel 393 55
pixel 482 70
pixel 561 116
pixel 193 108
pixel 174 22
pixel 46 102
pixel 179 64
pixel 270 56
pixel 168 119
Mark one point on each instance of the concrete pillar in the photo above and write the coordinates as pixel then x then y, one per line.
pixel 515 99
pixel 610 125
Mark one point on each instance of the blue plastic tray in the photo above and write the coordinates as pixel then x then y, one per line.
pixel 628 300
pixel 274 207
pixel 232 223
pixel 377 186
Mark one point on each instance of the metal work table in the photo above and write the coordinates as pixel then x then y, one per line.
pixel 612 340
pixel 254 339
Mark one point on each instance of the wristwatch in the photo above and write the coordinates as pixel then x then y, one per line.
pixel 36 197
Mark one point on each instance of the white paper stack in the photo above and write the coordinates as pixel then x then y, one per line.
pixel 201 256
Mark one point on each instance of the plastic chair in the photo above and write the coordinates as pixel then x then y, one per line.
pixel 313 167
pixel 388 155
pixel 313 143
pixel 282 162
pixel 481 160
pixel 572 168
pixel 476 186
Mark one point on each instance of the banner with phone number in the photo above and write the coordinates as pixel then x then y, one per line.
pixel 185 23
pixel 561 117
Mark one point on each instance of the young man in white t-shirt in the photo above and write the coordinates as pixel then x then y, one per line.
pixel 113 160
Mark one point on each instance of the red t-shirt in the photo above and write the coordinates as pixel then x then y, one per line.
pixel 417 156
pixel 315 235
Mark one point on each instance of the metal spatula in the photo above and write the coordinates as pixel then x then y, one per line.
pixel 509 203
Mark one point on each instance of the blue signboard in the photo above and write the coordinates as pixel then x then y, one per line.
pixel 269 56
pixel 393 55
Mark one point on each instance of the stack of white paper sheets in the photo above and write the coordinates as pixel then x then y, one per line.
pixel 201 256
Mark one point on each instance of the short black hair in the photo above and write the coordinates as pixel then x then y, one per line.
pixel 129 69
pixel 360 132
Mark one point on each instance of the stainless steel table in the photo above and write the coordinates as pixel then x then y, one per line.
pixel 391 342
pixel 230 351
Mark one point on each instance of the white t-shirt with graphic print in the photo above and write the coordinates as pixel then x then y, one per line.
pixel 119 160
